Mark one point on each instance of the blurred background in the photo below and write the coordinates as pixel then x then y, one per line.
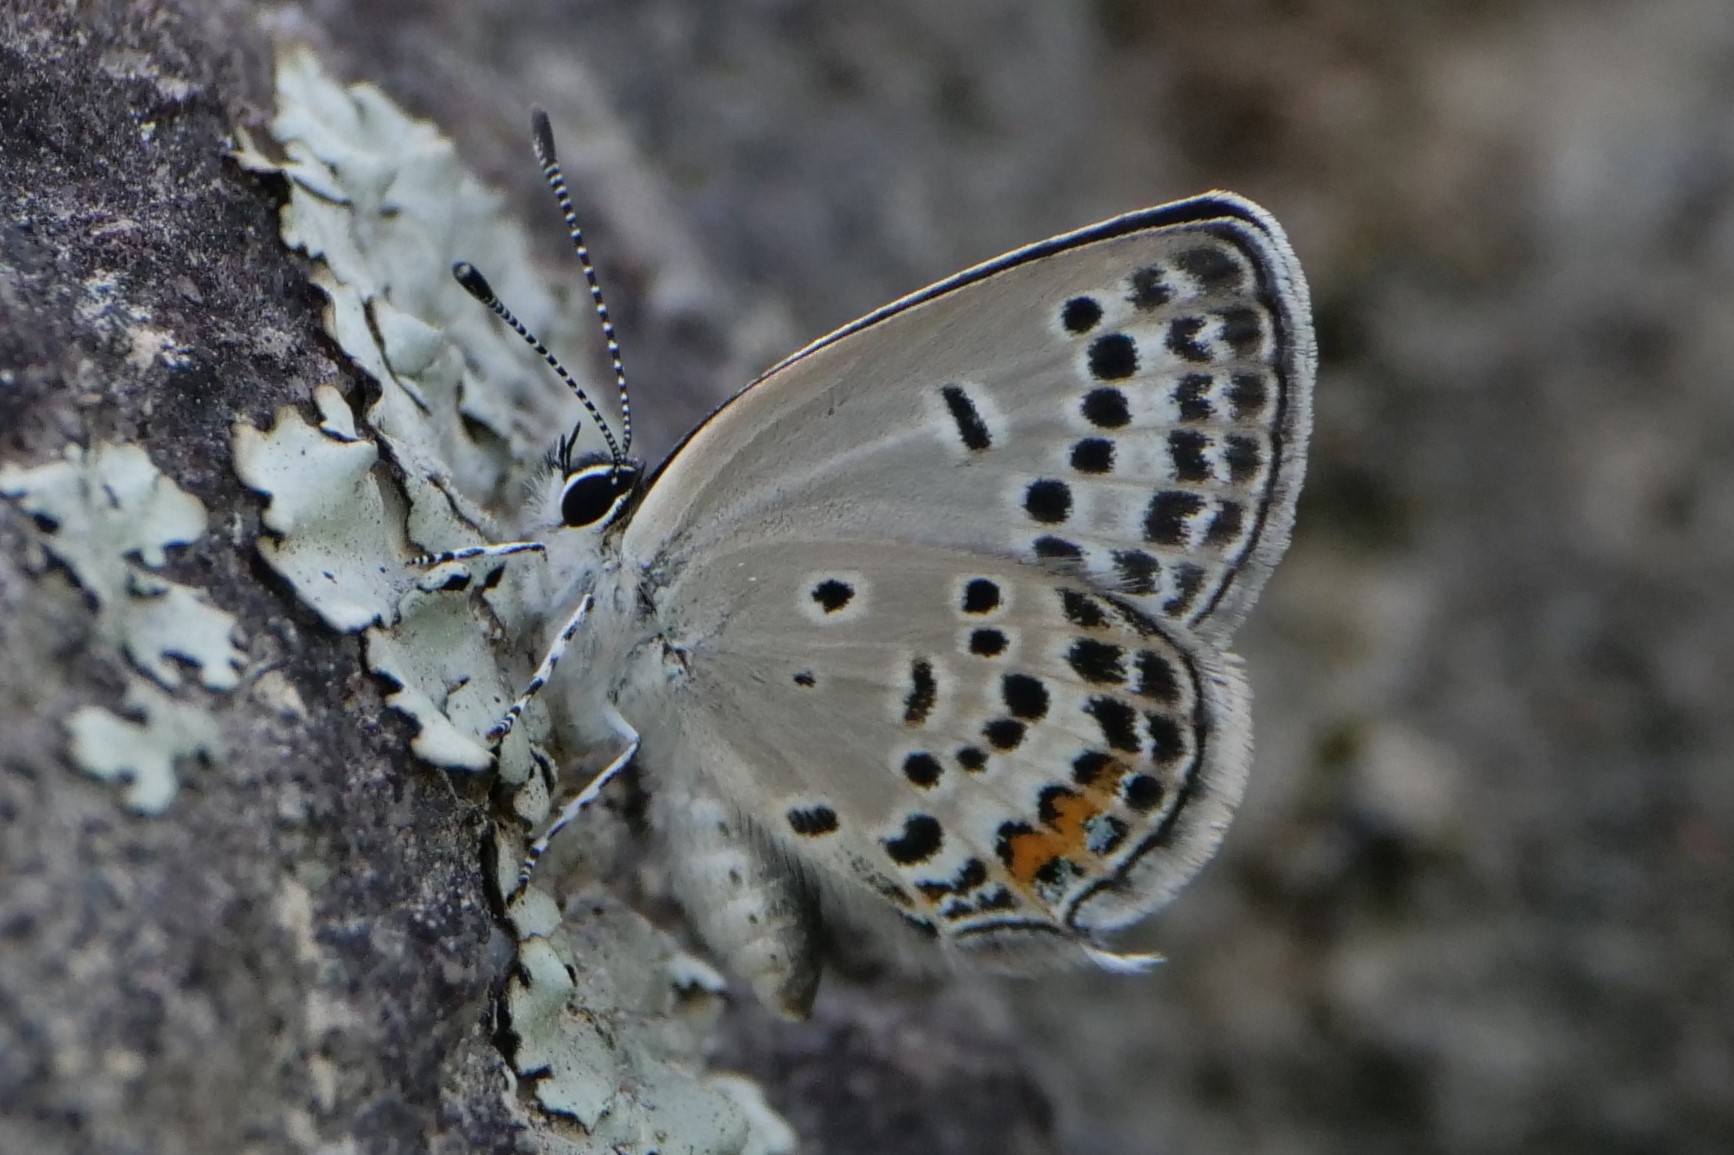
pixel 1480 898
pixel 1481 895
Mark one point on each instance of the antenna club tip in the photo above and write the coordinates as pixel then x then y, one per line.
pixel 542 135
pixel 473 282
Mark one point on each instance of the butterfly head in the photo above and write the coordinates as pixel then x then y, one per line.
pixel 590 491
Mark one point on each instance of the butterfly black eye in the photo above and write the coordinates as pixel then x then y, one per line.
pixel 594 493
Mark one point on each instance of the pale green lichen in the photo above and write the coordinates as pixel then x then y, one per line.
pixel 99 510
pixel 141 751
pixel 110 517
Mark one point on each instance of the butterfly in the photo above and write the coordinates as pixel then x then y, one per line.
pixel 924 635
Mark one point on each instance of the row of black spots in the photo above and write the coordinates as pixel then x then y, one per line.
pixel 1212 269
pixel 1093 455
pixel 1100 663
pixel 1136 572
pixel 1192 454
pixel 995 898
pixel 971 429
pixel 923 693
pixel 981 596
pixel 921 839
pixel 1113 357
pixel 814 821
pixel 833 594
pixel 1188 580
pixel 922 769
pixel 969 876
pixel 988 642
pixel 1245 397
pixel 1192 397
pixel 1239 333
pixel 1048 501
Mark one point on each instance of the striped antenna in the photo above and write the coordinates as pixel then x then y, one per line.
pixel 477 286
pixel 542 134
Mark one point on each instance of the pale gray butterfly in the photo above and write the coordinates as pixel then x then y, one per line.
pixel 924 634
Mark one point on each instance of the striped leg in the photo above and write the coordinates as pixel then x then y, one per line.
pixel 504 549
pixel 500 729
pixel 573 808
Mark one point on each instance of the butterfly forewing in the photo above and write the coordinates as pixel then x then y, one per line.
pixel 1128 404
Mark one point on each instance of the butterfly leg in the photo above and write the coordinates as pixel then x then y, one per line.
pixel 503 549
pixel 497 733
pixel 585 797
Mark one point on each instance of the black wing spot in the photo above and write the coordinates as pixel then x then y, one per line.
pixel 923 693
pixel 1082 610
pixel 1149 291
pixel 1048 803
pixel 833 594
pixel 1098 663
pixel 1188 581
pixel 1113 357
pixel 922 769
pixel 921 839
pixel 971 429
pixel 1081 314
pixel 1243 330
pixel 1192 397
pixel 1244 458
pixel 1183 340
pixel 1093 455
pixel 1225 527
pixel 1054 548
pixel 1167 744
pixel 1088 767
pixel 1106 408
pixel 987 643
pixel 813 821
pixel 980 596
pixel 1048 501
pixel 1119 723
pixel 1143 793
pixel 1248 395
pixel 1156 678
pixel 1004 734
pixel 972 758
pixel 1166 520
pixel 1025 697
pixel 1213 269
pixel 1137 570
pixel 1186 448
pixel 805 678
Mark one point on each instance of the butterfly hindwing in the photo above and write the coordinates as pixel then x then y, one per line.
pixel 1007 758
